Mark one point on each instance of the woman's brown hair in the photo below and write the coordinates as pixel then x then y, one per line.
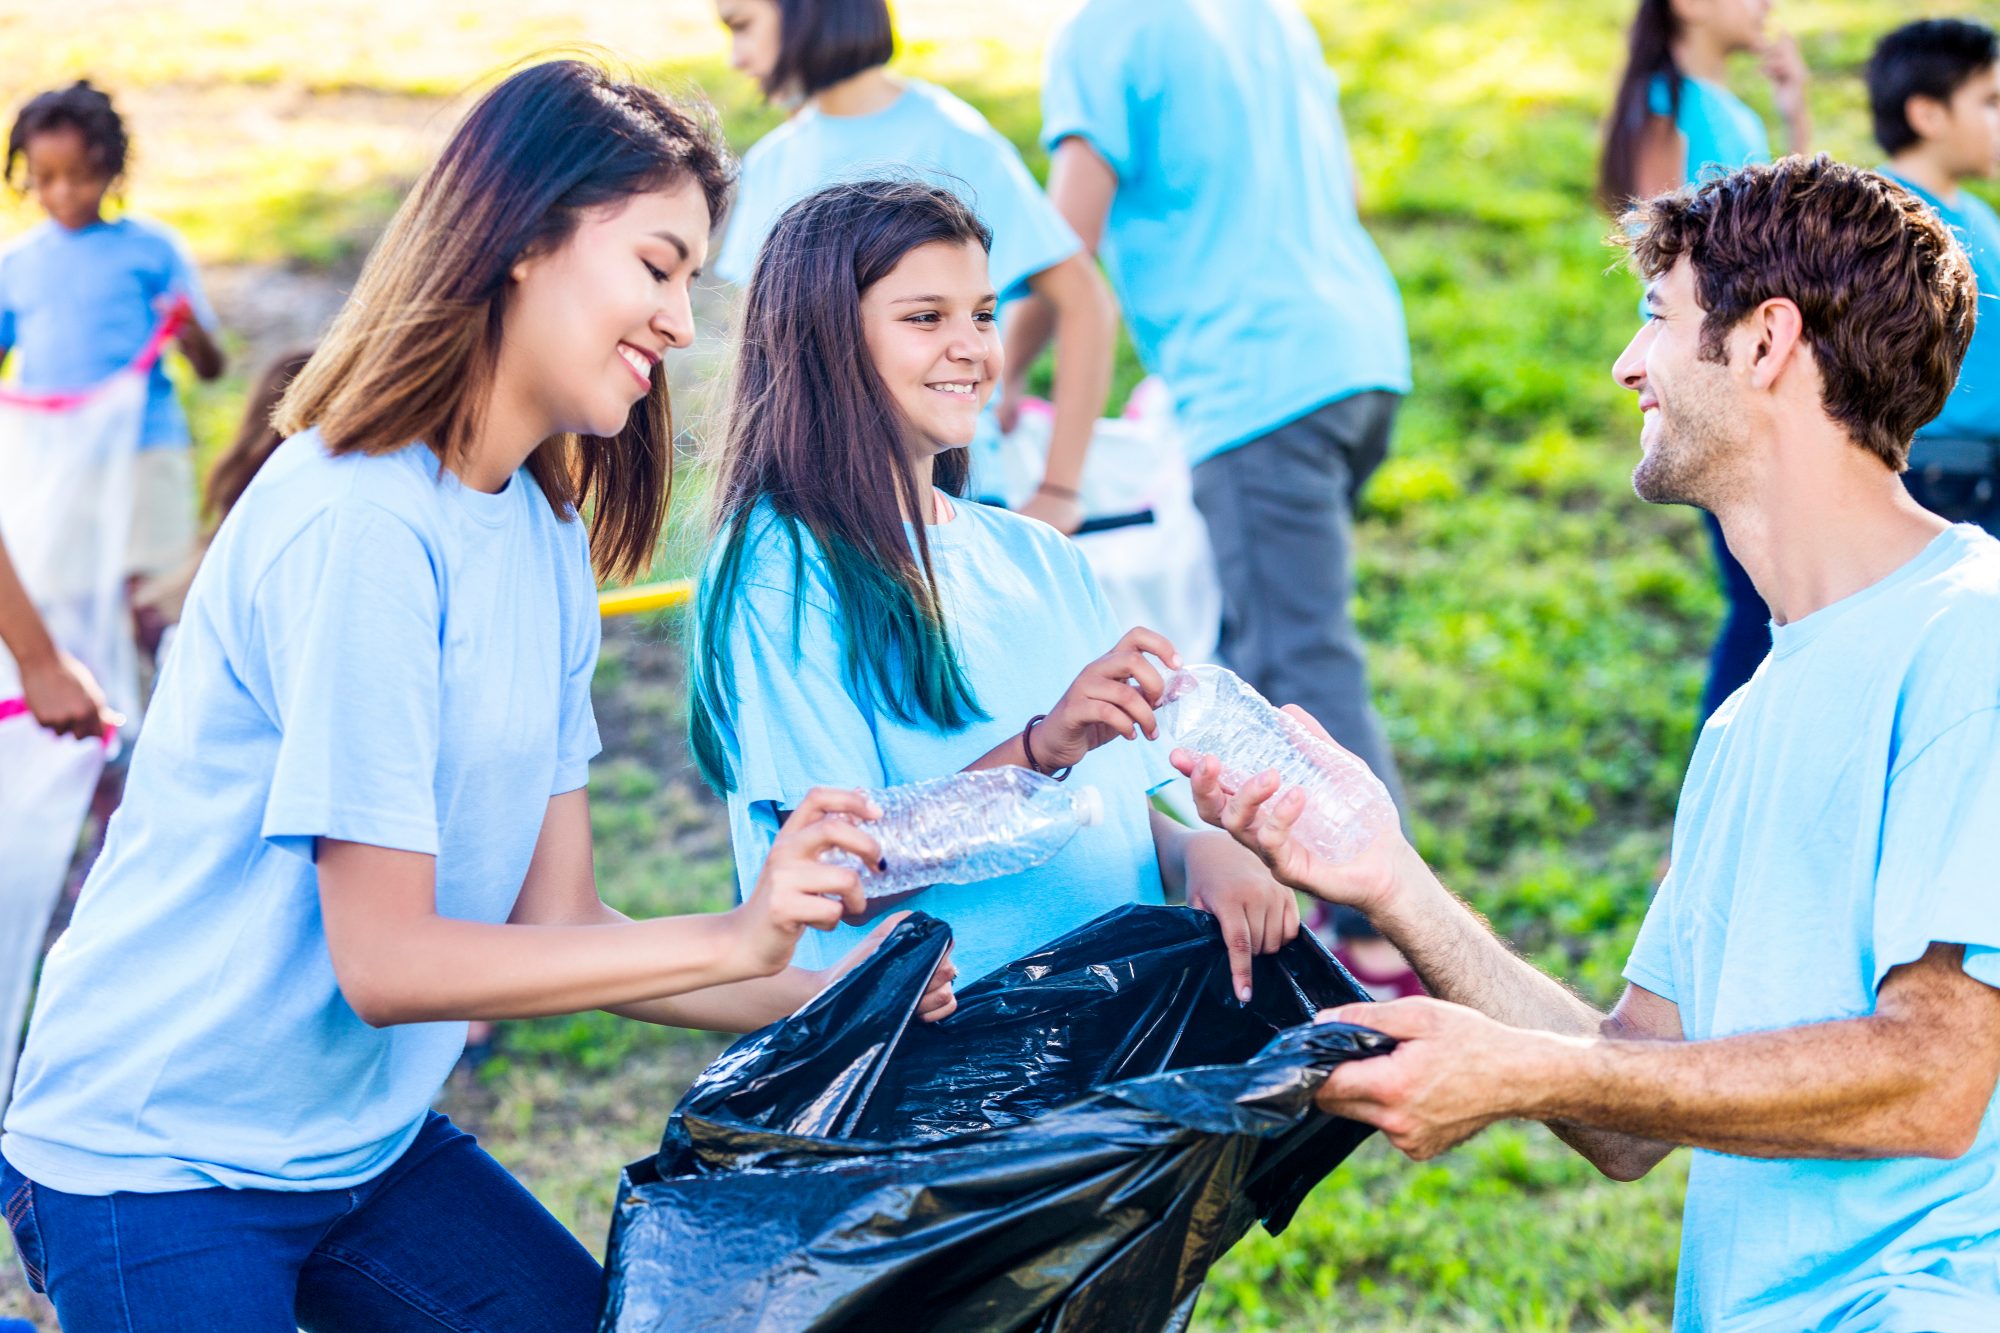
pixel 411 355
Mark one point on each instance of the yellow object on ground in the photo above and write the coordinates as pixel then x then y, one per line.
pixel 645 597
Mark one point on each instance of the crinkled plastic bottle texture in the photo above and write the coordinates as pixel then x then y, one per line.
pixel 966 827
pixel 1212 711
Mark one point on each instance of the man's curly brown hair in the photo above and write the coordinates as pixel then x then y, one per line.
pixel 1885 293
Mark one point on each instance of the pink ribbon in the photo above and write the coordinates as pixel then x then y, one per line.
pixel 68 400
pixel 13 708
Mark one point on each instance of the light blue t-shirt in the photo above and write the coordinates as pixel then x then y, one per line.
pixel 1025 616
pixel 926 132
pixel 1721 130
pixel 77 306
pixel 1973 410
pixel 1841 813
pixel 1246 278
pixel 370 652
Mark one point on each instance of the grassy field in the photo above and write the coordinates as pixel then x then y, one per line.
pixel 1539 633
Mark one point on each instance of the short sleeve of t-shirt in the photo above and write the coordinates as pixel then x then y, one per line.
pixel 1029 235
pixel 1660 96
pixel 1652 962
pixel 1936 881
pixel 797 724
pixel 184 279
pixel 1086 92
pixel 577 741
pixel 347 622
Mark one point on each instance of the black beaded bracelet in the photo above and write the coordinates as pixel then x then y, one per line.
pixel 1028 747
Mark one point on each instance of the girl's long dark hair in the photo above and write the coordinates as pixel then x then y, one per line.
pixel 1649 54
pixel 816 444
pixel 411 355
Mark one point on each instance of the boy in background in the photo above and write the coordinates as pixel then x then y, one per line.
pixel 1935 94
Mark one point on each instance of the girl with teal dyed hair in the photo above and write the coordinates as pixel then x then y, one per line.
pixel 861 624
pixel 1675 122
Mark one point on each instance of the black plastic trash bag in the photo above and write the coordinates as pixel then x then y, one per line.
pixel 1071 1150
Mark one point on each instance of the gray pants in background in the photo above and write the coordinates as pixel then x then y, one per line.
pixel 1280 513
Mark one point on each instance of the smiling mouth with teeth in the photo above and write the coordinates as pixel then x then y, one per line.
pixel 963 390
pixel 638 360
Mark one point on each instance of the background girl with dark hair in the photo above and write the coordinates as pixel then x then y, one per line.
pixel 1673 122
pixel 859 120
pixel 357 816
pixel 858 624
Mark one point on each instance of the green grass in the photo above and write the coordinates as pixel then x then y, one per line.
pixel 1538 633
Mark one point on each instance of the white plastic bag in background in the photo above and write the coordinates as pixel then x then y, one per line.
pixel 46 782
pixel 66 516
pixel 1159 573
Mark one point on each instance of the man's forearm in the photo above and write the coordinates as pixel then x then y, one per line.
pixel 1856 1089
pixel 1031 325
pixel 1461 959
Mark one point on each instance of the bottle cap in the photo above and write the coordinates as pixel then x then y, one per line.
pixel 1089 806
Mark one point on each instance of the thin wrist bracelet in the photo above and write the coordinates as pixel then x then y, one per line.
pixel 1028 747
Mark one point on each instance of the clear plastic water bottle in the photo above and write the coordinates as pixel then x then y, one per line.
pixel 1211 710
pixel 967 827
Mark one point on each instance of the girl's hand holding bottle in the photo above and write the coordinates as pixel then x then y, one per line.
pixel 1112 697
pixel 796 890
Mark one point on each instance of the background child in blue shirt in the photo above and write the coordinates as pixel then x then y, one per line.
pixel 860 120
pixel 1673 122
pixel 80 296
pixel 860 625
pixel 1935 93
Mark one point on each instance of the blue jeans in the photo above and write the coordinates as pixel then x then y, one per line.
pixel 443 1239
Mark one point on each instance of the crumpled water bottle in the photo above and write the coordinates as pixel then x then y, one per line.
pixel 967 827
pixel 1211 710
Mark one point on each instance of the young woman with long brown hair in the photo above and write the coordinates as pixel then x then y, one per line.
pixel 357 816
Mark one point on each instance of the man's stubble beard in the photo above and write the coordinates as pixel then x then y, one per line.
pixel 1698 455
